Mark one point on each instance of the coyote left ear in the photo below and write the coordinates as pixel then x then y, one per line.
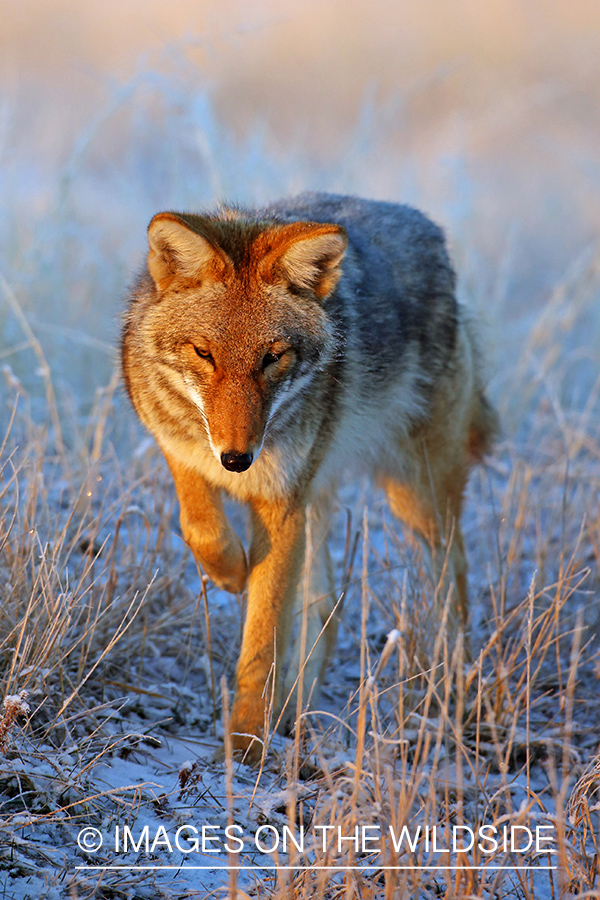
pixel 308 255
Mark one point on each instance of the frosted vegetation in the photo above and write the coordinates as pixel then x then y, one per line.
pixel 104 619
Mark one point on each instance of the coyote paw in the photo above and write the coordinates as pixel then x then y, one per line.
pixel 226 565
pixel 247 748
pixel 247 727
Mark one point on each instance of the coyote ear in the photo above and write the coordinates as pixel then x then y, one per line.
pixel 179 253
pixel 308 255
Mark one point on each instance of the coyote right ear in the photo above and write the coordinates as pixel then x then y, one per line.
pixel 307 254
pixel 179 253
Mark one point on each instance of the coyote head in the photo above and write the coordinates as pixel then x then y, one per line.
pixel 238 324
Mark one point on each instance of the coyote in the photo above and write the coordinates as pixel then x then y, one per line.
pixel 270 353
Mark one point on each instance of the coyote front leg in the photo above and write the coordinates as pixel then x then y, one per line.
pixel 206 530
pixel 316 599
pixel 276 558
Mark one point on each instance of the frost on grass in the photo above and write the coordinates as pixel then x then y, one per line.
pixel 13 706
pixel 122 645
pixel 114 648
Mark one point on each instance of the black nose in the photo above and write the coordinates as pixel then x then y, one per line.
pixel 236 462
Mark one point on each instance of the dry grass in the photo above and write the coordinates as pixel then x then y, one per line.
pixel 126 653
pixel 102 624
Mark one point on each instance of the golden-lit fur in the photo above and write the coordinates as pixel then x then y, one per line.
pixel 273 352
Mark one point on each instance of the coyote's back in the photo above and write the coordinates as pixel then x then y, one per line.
pixel 271 352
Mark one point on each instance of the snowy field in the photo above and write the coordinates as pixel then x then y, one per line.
pixel 486 117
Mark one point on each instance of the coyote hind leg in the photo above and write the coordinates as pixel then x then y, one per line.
pixel 433 515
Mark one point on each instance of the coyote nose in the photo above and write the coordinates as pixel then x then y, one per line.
pixel 236 462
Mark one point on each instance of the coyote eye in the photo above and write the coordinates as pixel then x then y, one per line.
pixel 271 357
pixel 204 354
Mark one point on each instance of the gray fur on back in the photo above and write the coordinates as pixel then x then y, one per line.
pixel 398 284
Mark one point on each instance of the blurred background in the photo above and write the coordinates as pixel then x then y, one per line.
pixel 482 112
